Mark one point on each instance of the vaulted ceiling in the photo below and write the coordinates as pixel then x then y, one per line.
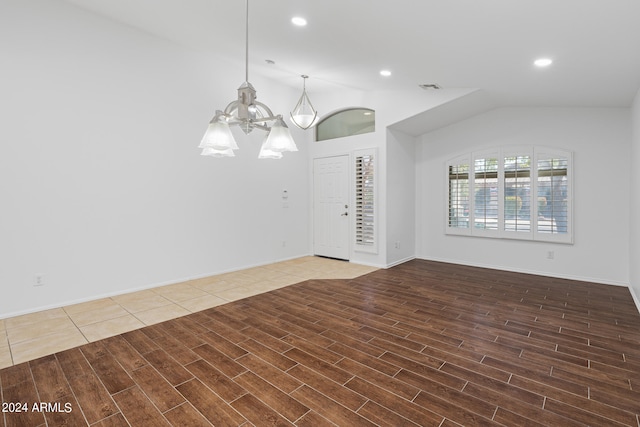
pixel 485 44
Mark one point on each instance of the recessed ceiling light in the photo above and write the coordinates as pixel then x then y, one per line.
pixel 299 21
pixel 542 62
pixel 385 73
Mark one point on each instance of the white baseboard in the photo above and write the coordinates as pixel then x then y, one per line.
pixel 635 297
pixel 527 271
pixel 140 288
pixel 402 261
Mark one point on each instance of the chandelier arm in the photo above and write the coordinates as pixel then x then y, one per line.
pixel 216 116
pixel 231 119
pixel 264 120
pixel 267 109
pixel 261 127
pixel 230 107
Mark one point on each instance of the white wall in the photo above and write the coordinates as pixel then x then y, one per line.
pixel 395 192
pixel 600 141
pixel 634 196
pixel 401 197
pixel 103 191
pixel 102 188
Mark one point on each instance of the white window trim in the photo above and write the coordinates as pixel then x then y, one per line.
pixel 535 153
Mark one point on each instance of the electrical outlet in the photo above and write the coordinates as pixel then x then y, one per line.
pixel 38 280
pixel 551 255
pixel 397 245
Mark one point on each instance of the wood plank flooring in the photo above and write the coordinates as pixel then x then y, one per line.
pixel 423 343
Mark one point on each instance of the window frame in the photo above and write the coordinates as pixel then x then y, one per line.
pixel 535 154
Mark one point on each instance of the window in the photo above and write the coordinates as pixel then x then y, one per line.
pixel 365 201
pixel 353 121
pixel 459 195
pixel 485 193
pixel 552 206
pixel 511 193
pixel 517 193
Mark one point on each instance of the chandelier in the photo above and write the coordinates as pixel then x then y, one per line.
pixel 248 114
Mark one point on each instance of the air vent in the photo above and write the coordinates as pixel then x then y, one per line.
pixel 430 86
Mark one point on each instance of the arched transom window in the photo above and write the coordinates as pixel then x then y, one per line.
pixel 349 122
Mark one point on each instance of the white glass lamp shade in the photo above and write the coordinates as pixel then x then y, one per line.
pixel 279 138
pixel 304 115
pixel 208 151
pixel 218 137
pixel 265 153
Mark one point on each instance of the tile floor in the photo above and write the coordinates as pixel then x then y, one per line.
pixel 419 344
pixel 30 336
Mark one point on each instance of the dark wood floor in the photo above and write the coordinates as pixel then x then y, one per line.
pixel 422 343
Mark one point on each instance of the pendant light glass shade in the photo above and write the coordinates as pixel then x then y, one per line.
pixel 265 153
pixel 208 151
pixel 304 115
pixel 218 136
pixel 279 138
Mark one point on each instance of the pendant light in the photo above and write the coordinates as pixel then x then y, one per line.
pixel 304 115
pixel 248 114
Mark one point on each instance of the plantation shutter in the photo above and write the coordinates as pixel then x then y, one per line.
pixel 485 193
pixel 553 199
pixel 517 193
pixel 514 192
pixel 458 203
pixel 365 209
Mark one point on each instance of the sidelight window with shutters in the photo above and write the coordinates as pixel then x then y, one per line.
pixel 365 201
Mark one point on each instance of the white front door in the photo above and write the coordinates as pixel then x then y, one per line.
pixel 331 207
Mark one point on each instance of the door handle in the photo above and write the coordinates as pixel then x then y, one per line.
pixel 345 214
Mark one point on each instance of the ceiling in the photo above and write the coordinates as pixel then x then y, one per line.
pixel 485 44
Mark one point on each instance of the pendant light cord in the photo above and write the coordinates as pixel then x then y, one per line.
pixel 246 55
